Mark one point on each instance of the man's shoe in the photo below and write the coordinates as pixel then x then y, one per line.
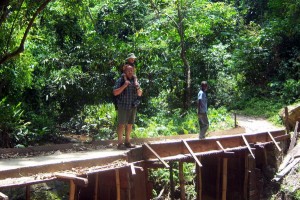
pixel 121 147
pixel 129 145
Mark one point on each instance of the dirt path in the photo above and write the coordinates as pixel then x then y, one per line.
pixel 255 124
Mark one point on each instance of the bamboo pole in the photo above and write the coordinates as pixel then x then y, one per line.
pixel 96 187
pixel 199 182
pixel 129 186
pixel 159 158
pixel 246 177
pixel 146 174
pixel 171 180
pixel 27 192
pixel 3 196
pixel 72 190
pixel 132 169
pixel 271 136
pixel 224 183
pixel 218 179
pixel 249 148
pixel 118 188
pixel 181 181
pixel 192 153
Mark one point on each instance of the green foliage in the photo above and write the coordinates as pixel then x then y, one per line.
pixel 220 119
pixel 97 121
pixel 21 129
pixel 167 121
pixel 244 49
pixel 161 180
pixel 10 121
pixel 267 108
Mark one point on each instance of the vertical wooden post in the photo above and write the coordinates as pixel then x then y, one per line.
pixel 199 182
pixel 224 182
pixel 118 188
pixel 235 122
pixel 218 179
pixel 265 156
pixel 96 187
pixel 148 186
pixel 129 186
pixel 246 176
pixel 171 180
pixel 286 119
pixel 181 181
pixel 27 192
pixel 72 190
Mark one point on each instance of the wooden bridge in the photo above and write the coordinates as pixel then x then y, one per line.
pixel 229 167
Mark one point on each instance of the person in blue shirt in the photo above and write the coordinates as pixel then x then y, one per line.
pixel 202 110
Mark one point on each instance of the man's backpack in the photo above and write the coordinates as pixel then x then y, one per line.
pixel 115 99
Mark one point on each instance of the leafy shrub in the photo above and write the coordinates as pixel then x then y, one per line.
pixel 220 119
pixel 161 180
pixel 97 121
pixel 174 123
pixel 267 108
pixel 291 91
pixel 11 123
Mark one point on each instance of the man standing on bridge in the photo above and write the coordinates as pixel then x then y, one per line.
pixel 128 93
pixel 202 110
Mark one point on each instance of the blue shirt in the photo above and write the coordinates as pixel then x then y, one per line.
pixel 202 100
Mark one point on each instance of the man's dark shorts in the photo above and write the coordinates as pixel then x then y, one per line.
pixel 126 116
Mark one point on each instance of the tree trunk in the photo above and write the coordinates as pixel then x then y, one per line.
pixel 186 65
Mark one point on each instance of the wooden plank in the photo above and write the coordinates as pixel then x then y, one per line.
pixel 248 146
pixel 3 196
pixel 181 181
pixel 192 153
pixel 294 137
pixel 224 180
pixel 157 156
pixel 278 147
pixel 286 169
pixel 118 187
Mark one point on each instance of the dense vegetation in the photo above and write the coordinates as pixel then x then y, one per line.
pixel 59 61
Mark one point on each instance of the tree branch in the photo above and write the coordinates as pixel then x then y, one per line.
pixel 20 49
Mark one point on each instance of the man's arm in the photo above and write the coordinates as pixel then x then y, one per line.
pixel 199 105
pixel 119 90
pixel 139 91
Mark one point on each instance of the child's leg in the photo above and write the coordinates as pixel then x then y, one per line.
pixel 136 83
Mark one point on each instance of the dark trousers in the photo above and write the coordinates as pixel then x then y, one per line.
pixel 204 124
